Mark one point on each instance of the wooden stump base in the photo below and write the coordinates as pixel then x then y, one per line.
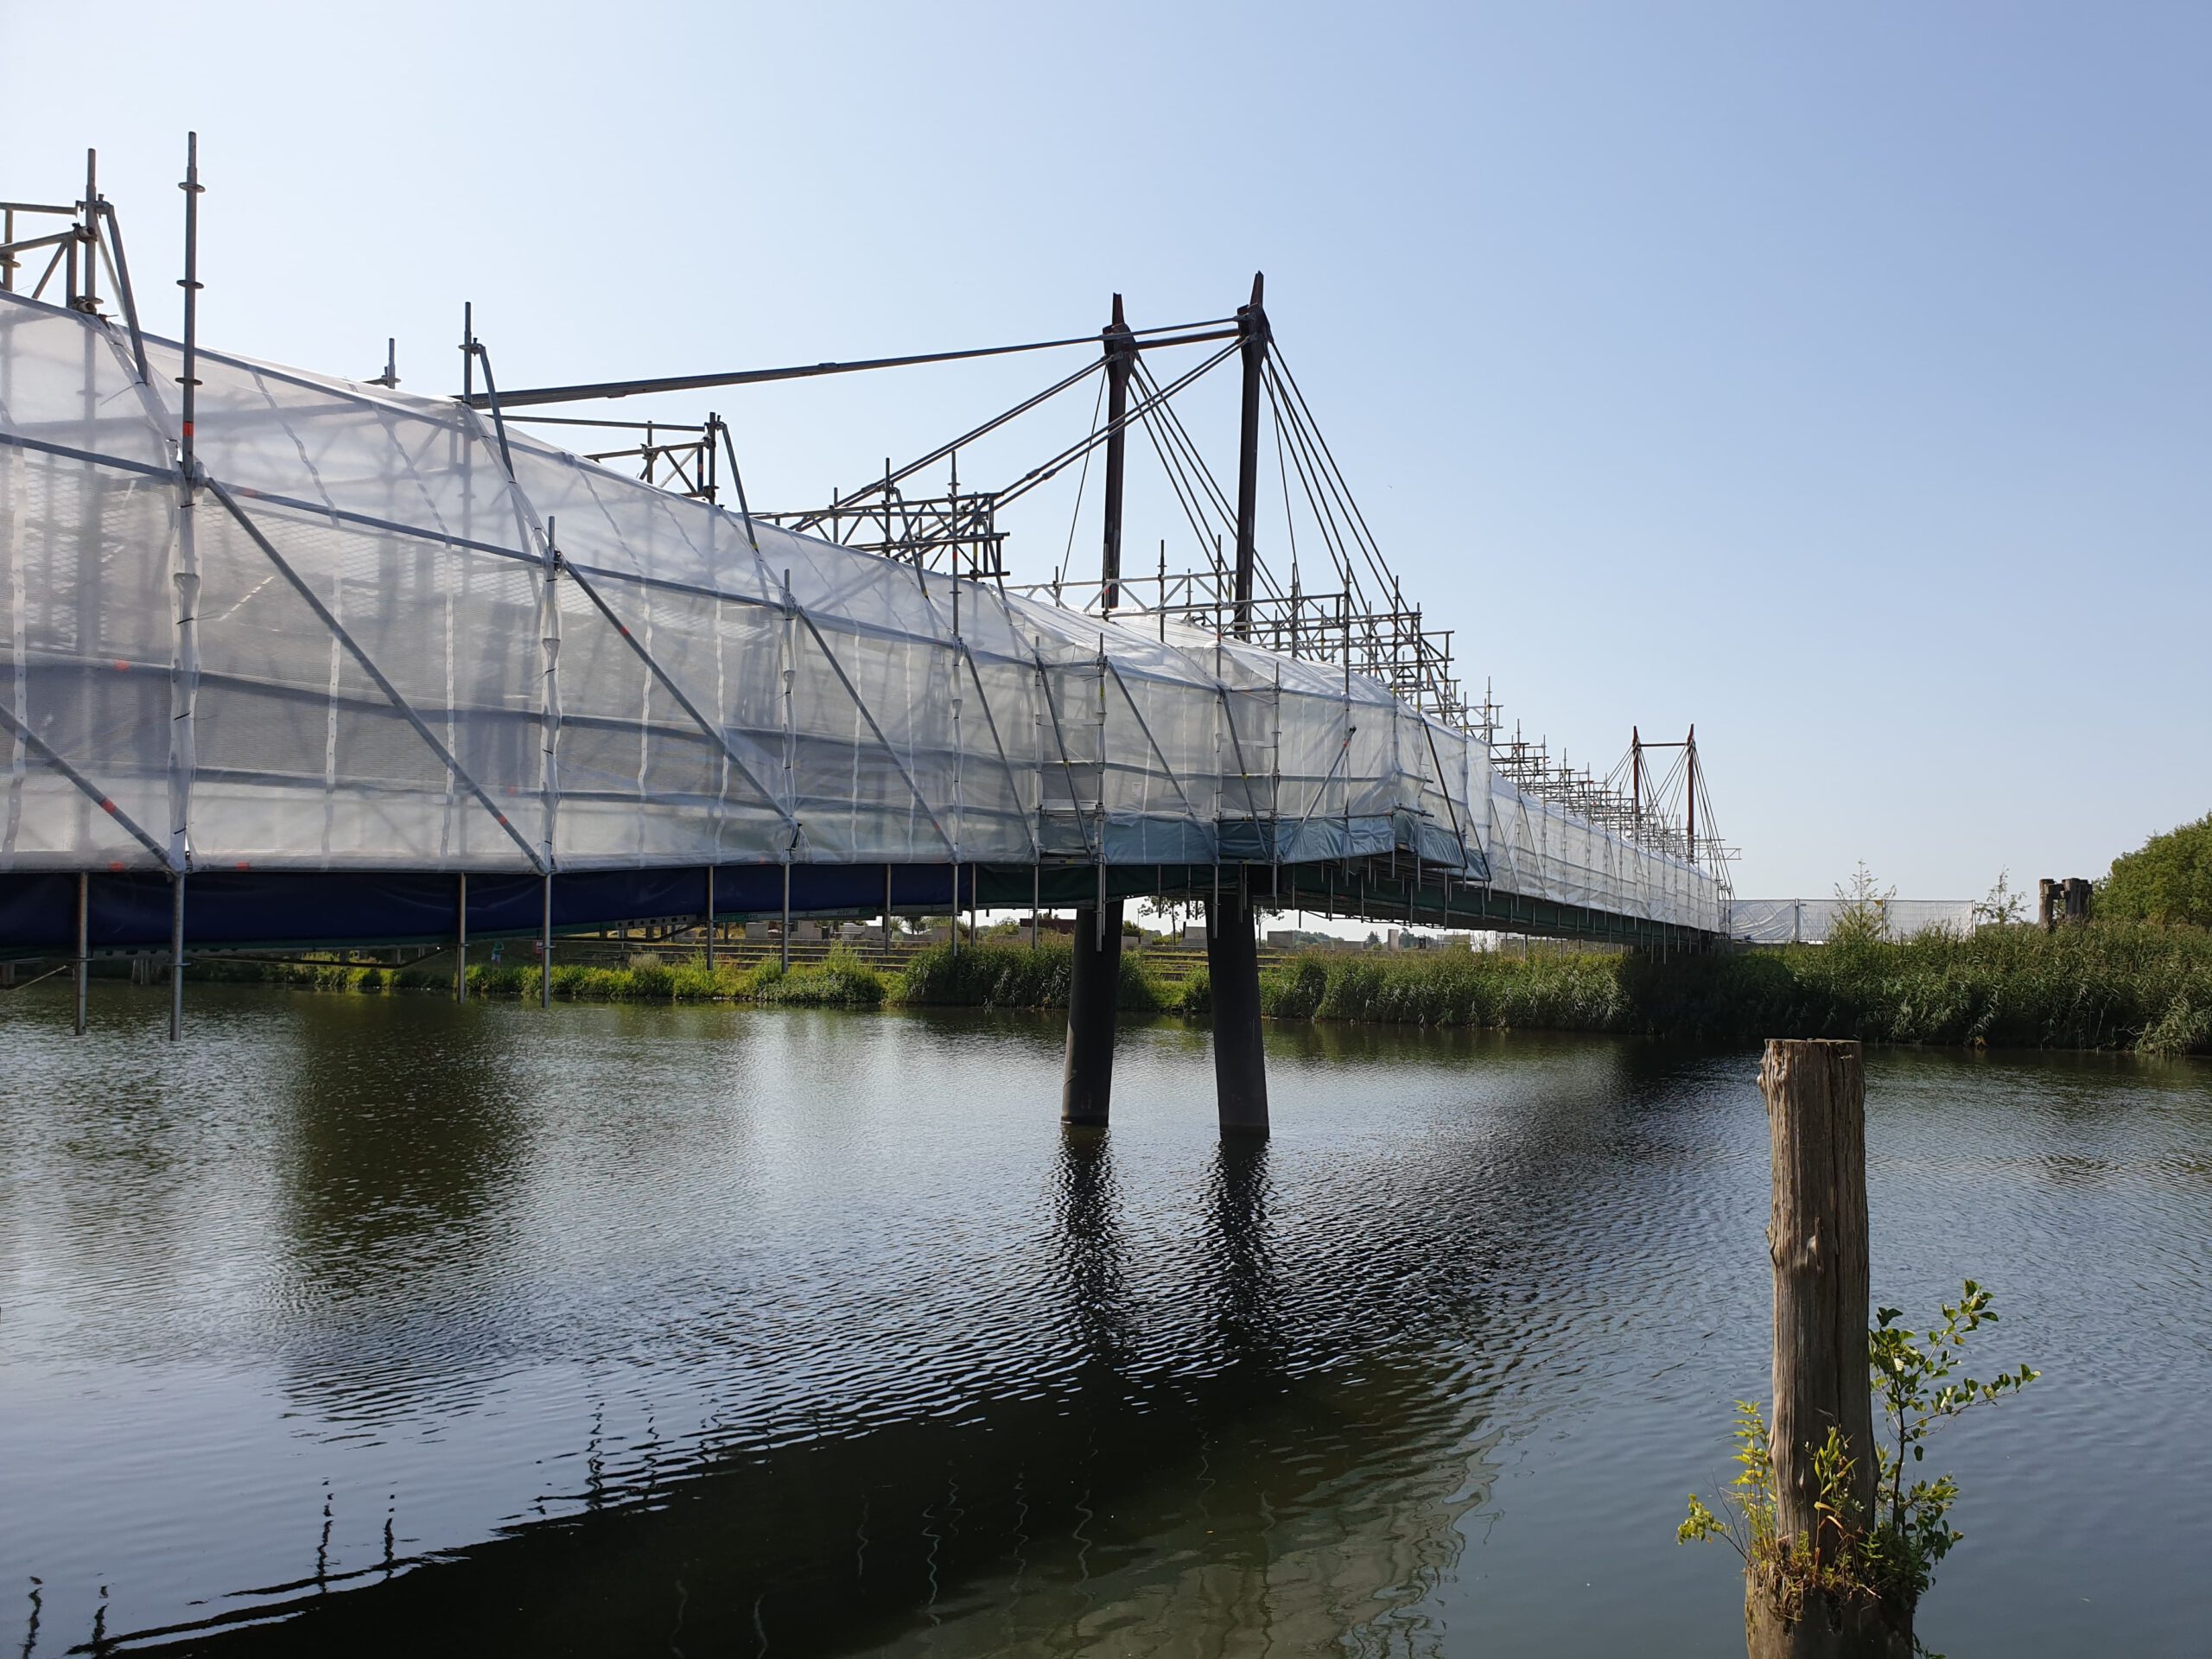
pixel 1825 1632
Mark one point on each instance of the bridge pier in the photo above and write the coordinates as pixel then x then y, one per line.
pixel 1094 999
pixel 1240 1071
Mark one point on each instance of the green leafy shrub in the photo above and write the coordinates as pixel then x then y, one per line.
pixel 2168 879
pixel 840 981
pixel 1882 1562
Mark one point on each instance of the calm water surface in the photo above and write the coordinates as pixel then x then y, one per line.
pixel 362 1325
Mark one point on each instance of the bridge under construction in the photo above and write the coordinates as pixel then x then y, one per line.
pixel 292 660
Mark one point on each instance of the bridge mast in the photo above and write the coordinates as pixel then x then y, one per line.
pixel 1252 331
pixel 1240 1077
pixel 1095 986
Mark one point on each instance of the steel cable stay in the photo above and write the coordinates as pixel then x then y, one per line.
pixel 1191 334
pixel 1180 437
pixel 1331 501
pixel 1208 545
pixel 1365 536
pixel 845 502
pixel 1083 480
pixel 1046 472
pixel 1332 533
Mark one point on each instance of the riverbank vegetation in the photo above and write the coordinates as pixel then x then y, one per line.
pixel 2167 880
pixel 2110 985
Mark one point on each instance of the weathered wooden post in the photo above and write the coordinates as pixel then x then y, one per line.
pixel 1816 1119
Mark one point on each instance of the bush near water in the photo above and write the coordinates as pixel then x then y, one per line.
pixel 2110 985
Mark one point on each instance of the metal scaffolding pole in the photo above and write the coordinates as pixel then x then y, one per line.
pixel 84 943
pixel 176 956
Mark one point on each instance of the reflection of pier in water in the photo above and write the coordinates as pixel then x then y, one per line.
pixel 1260 1498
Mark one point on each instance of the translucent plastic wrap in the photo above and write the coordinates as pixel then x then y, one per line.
pixel 417 647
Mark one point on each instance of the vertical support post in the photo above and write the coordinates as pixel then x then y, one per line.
pixel 785 958
pixel 176 956
pixel 710 919
pixel 460 942
pixel 888 922
pixel 953 920
pixel 1094 998
pixel 1252 328
pixel 1816 1115
pixel 1240 1075
pixel 84 943
pixel 184 582
pixel 1036 901
pixel 89 301
pixel 546 948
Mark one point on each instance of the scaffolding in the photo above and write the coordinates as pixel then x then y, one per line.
pixel 262 619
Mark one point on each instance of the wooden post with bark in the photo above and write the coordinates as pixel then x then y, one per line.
pixel 1816 1115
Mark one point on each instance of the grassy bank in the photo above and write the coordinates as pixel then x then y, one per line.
pixel 2110 985
pixel 840 981
pixel 2116 985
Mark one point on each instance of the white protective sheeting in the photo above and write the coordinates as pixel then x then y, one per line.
pixel 1810 921
pixel 389 641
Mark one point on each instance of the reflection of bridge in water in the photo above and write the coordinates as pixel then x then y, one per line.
pixel 294 660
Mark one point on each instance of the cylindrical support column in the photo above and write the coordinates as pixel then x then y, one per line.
pixel 84 944
pixel 785 958
pixel 889 923
pixel 1240 1073
pixel 460 940
pixel 710 912
pixel 546 948
pixel 1094 1001
pixel 176 956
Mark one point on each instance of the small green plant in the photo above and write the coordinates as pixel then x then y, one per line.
pixel 2003 906
pixel 1862 911
pixel 1884 1562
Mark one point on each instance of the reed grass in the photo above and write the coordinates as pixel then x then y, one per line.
pixel 2110 985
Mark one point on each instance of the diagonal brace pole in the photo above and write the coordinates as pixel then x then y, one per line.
pixel 683 701
pixel 368 666
pixel 46 753
pixel 890 753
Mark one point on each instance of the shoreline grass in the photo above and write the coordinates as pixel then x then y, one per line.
pixel 2112 985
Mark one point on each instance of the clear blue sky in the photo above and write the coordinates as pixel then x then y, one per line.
pixel 1838 378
